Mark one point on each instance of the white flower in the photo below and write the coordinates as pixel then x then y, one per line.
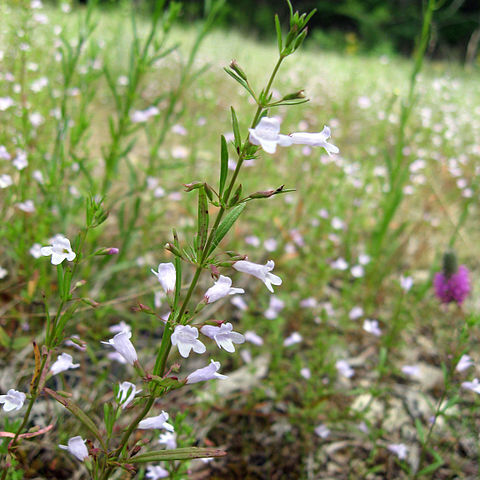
pixel 5 103
pixel 344 368
pixel 223 335
pixel 252 337
pixel 20 162
pixel 260 271
pixel 274 308
pixel 160 421
pixel 474 386
pixel 166 276
pixel 306 373
pixel 399 449
pixel 364 259
pixel 239 302
pixel 464 363
pixel 64 362
pixel 406 283
pixel 185 338
pixel 4 155
pixel 122 344
pixel 27 206
pixel 59 250
pixel 120 327
pixel 5 180
pixel 322 431
pixel 357 271
pixel 315 140
pixel 76 446
pixel 221 288
pixel 154 473
pixel 3 273
pixel 371 326
pixel 169 439
pixel 126 393
pixel 13 400
pixel 411 370
pixel 206 373
pixel 355 313
pixel 339 264
pixel 292 339
pixel 267 134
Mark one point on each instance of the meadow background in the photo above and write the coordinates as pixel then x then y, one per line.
pixel 323 391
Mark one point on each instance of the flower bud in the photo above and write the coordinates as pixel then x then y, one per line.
pixel 236 68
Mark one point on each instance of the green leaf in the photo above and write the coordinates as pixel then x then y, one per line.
pixel 223 164
pixel 279 33
pixel 4 338
pixel 176 454
pixel 226 225
pixel 202 233
pixel 78 412
pixel 236 130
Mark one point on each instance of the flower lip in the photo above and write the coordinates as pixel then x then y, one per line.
pixel 262 272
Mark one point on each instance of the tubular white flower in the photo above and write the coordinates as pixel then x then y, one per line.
pixel 206 373
pixel 260 271
pixel 185 338
pixel 166 276
pixel 156 472
pixel 59 250
pixel 223 335
pixel 122 344
pixel 13 400
pixel 76 446
pixel 222 288
pixel 160 421
pixel 315 140
pixel 126 393
pixel 169 439
pixel 64 362
pixel 267 134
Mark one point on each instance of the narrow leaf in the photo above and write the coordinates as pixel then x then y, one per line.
pixel 78 412
pixel 223 164
pixel 202 219
pixel 236 130
pixel 177 454
pixel 279 33
pixel 226 225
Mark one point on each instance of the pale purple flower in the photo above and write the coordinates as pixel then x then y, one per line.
pixel 252 337
pixel 339 264
pixel 309 302
pixel 59 250
pixel 122 344
pixel 406 283
pixel 126 393
pixel 270 244
pixel 292 339
pixel 206 373
pixel 262 272
pixel 5 181
pixel 27 206
pixel 6 103
pixel 355 313
pixel 411 370
pixel 322 431
pixel 399 449
pixel 169 439
pixel 464 363
pixel 221 288
pixel 156 472
pixel 64 362
pixel 13 400
pixel 274 308
pixel 357 271
pixel 267 134
pixel 76 446
pixel 315 140
pixel 364 259
pixel 344 368
pixel 166 276
pixel 185 338
pixel 223 335
pixel 36 250
pixel 239 302
pixel 120 327
pixel 20 162
pixel 371 326
pixel 306 373
pixel 4 155
pixel 474 385
pixel 160 421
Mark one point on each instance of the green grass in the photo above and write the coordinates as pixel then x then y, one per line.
pixel 359 98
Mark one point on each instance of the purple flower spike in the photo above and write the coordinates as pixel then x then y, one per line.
pixel 453 288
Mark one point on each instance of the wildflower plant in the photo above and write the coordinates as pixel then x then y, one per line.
pixel 104 452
